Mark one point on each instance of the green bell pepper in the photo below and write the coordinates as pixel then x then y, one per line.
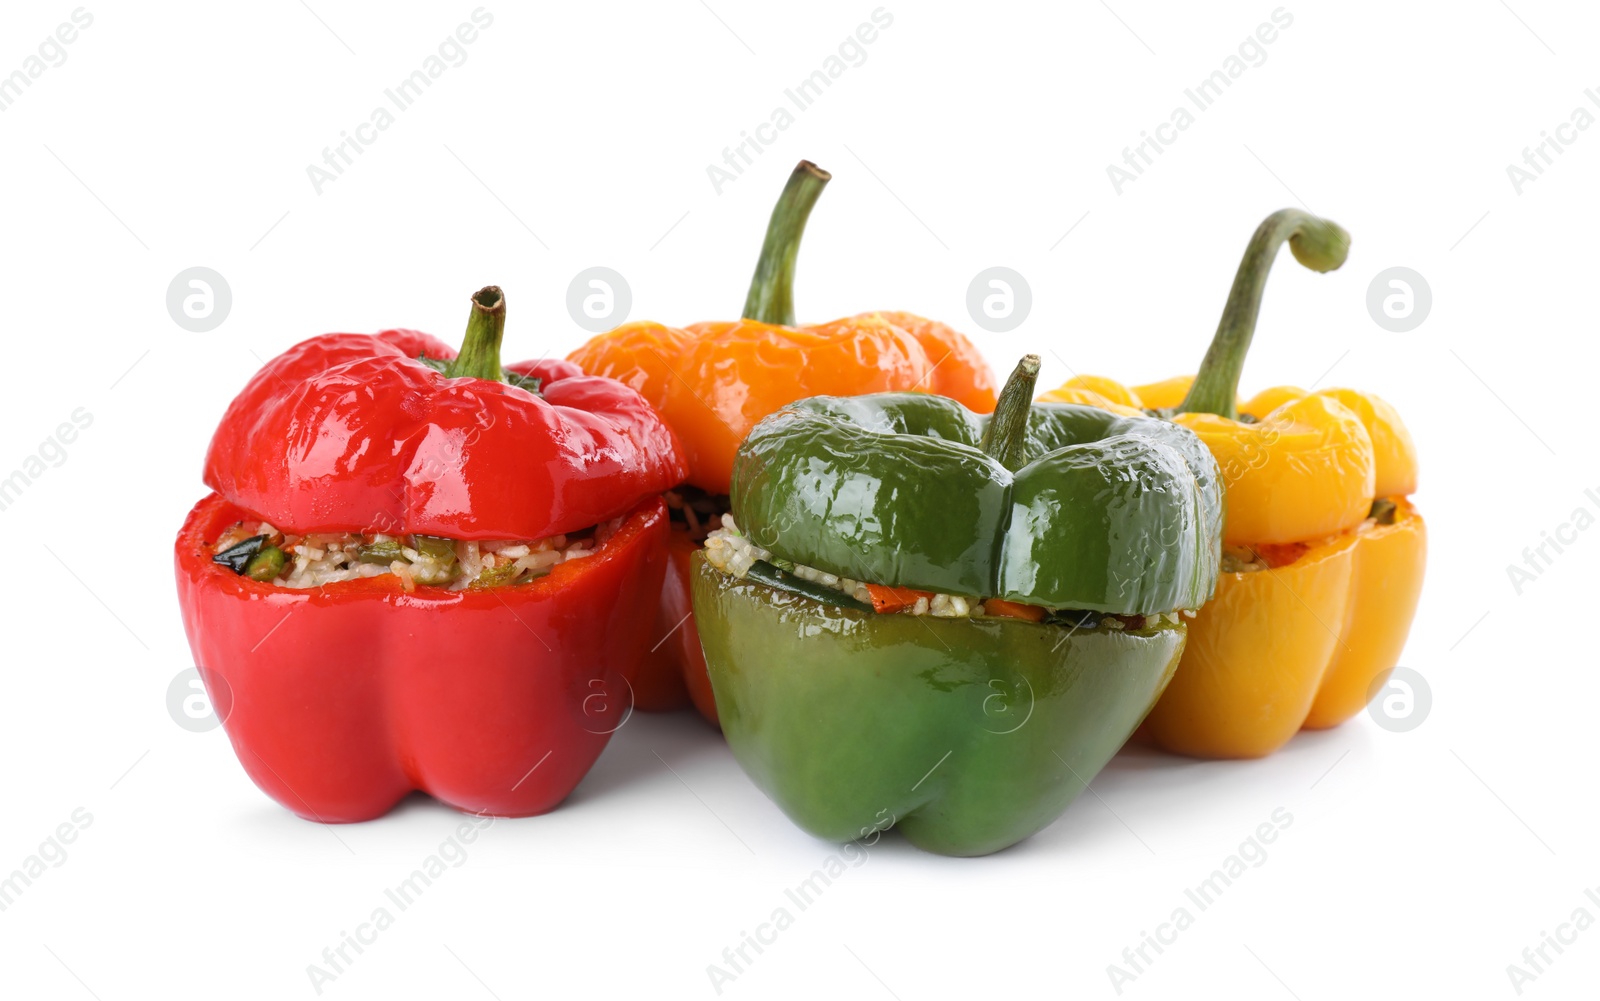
pixel 1051 504
pixel 967 734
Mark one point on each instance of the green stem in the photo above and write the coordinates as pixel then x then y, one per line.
pixel 1317 243
pixel 1007 433
pixel 771 297
pixel 480 350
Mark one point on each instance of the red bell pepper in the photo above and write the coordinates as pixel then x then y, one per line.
pixel 674 672
pixel 341 699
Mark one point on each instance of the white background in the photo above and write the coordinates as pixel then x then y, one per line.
pixel 1418 864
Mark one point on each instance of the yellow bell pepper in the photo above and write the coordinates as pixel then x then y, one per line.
pixel 1323 554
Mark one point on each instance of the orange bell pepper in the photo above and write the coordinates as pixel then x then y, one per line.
pixel 713 382
pixel 1327 553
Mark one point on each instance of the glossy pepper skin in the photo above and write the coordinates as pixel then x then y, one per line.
pixel 1306 642
pixel 351 433
pixel 843 717
pixel 1094 511
pixel 340 700
pixel 967 734
pixel 714 381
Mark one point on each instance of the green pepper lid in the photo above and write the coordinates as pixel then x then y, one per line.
pixel 1089 510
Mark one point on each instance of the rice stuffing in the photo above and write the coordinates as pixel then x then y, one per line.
pixel 731 552
pixel 320 558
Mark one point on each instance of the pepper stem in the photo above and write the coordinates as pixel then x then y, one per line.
pixel 1007 432
pixel 480 349
pixel 1317 243
pixel 771 297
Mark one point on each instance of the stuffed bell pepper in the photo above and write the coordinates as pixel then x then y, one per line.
pixel 923 617
pixel 422 571
pixel 1323 552
pixel 714 381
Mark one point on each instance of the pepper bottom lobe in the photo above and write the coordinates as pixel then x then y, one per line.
pixel 968 735
pixel 339 701
pixel 1300 646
